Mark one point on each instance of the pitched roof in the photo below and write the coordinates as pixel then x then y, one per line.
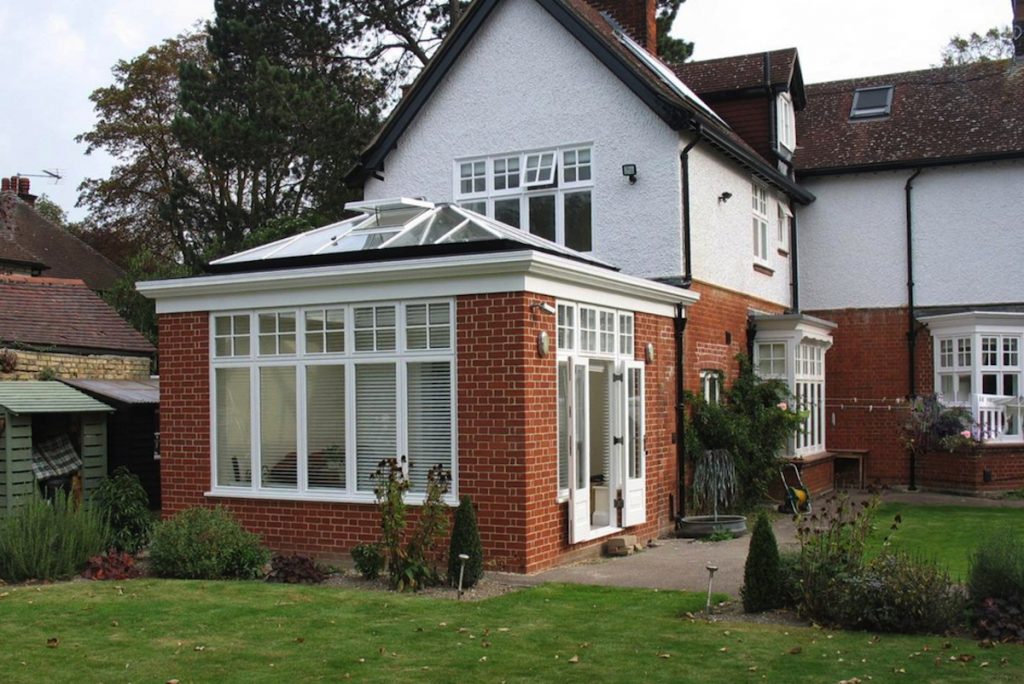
pixel 942 115
pixel 25 232
pixel 46 396
pixel 726 76
pixel 595 32
pixel 51 312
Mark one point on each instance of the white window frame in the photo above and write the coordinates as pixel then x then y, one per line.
pixel 759 221
pixel 998 417
pixel 712 385
pixel 552 183
pixel 350 359
pixel 803 372
pixel 786 121
pixel 783 227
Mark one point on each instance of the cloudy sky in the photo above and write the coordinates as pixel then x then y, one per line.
pixel 53 53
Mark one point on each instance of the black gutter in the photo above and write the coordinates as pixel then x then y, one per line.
pixel 680 328
pixel 911 322
pixel 910 164
pixel 684 166
pixel 794 265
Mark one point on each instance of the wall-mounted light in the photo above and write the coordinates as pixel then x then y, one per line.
pixel 725 197
pixel 543 343
pixel 649 352
pixel 543 306
pixel 629 171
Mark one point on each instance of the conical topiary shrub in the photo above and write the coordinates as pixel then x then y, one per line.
pixel 465 539
pixel 762 588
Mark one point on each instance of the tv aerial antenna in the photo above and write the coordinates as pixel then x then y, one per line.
pixel 54 175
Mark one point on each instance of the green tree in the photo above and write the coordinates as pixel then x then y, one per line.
pixel 993 45
pixel 671 50
pixel 139 311
pixel 133 126
pixel 276 120
pixel 465 540
pixel 52 211
pixel 762 585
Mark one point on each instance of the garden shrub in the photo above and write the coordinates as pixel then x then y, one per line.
pixel 206 543
pixel 412 558
pixel 897 592
pixel 369 560
pixel 123 500
pixel 790 591
pixel 762 589
pixel 116 565
pixel 295 569
pixel 49 539
pixel 996 569
pixel 465 539
pixel 995 584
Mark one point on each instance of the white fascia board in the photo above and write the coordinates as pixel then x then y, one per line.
pixel 967 322
pixel 800 328
pixel 519 271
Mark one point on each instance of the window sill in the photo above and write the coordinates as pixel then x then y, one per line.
pixel 764 270
pixel 366 499
pixel 783 252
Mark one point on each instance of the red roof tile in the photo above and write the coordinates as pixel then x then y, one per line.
pixel 24 231
pixel 54 312
pixel 739 72
pixel 949 113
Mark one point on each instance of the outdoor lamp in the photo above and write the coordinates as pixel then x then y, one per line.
pixel 629 171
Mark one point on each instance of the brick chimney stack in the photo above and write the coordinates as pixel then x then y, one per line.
pixel 20 186
pixel 1018 30
pixel 637 18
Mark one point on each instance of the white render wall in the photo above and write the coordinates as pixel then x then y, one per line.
pixel 525 83
pixel 968 229
pixel 721 233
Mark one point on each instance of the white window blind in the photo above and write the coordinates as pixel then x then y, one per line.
pixel 278 463
pixel 325 426
pixel 234 462
pixel 428 419
pixel 563 426
pixel 376 420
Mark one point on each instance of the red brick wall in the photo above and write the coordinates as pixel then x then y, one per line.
pixel 718 312
pixel 507 439
pixel 946 471
pixel 637 17
pixel 866 386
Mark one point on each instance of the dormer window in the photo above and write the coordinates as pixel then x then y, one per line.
pixel 786 121
pixel 869 103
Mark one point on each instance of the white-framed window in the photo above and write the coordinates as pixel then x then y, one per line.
pixel 786 121
pixel 978 366
pixel 712 385
pixel 800 363
pixel 566 327
pixel 770 360
pixel 370 382
pixel 783 226
pixel 759 220
pixel 546 192
pixel 869 103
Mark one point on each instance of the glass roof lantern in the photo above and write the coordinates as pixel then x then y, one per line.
pixel 393 223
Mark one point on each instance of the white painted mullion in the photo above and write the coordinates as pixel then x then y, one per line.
pixel 301 431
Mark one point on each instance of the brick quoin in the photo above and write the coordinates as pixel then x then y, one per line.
pixel 507 432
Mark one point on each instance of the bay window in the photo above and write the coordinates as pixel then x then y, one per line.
pixel 978 366
pixel 308 402
pixel 546 192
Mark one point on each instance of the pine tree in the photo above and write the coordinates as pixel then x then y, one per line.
pixel 465 539
pixel 761 577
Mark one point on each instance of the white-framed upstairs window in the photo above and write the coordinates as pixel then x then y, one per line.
pixel 324 394
pixel 783 226
pixel 546 192
pixel 759 221
pixel 786 118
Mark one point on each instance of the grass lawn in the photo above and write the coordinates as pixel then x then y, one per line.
pixel 947 534
pixel 156 630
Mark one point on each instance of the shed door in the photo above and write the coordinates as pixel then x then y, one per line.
pixel 579 456
pixel 633 444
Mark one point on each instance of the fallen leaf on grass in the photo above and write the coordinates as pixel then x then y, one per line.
pixel 796 650
pixel 173 681
pixel 200 648
pixel 503 629
pixel 986 643
pixel 984 664
pixel 575 659
pixel 966 657
pixel 483 659
pixel 664 655
pixel 52 642
pixel 300 640
pixel 724 649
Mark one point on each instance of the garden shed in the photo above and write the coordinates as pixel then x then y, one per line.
pixel 541 377
pixel 51 437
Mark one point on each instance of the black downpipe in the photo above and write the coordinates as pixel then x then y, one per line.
pixel 680 328
pixel 911 322
pixel 794 265
pixel 684 161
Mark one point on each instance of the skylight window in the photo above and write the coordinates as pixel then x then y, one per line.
pixel 871 102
